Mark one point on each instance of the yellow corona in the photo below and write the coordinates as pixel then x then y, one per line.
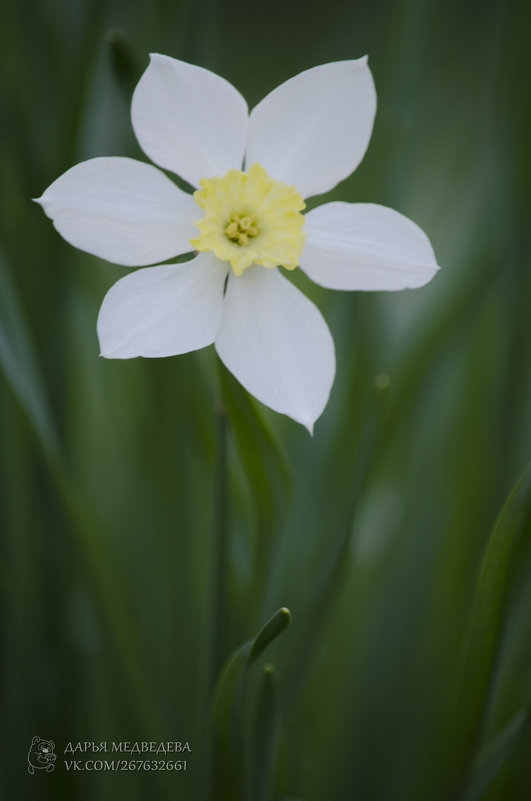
pixel 249 218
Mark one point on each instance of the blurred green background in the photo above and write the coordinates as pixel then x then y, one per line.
pixel 372 532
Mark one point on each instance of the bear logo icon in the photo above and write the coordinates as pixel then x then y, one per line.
pixel 41 755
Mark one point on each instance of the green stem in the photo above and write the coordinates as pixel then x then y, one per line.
pixel 218 612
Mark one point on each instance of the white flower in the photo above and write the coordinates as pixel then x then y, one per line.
pixel 301 140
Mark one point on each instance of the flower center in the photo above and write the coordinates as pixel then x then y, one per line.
pixel 241 228
pixel 250 218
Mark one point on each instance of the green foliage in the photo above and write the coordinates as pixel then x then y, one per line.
pixel 229 747
pixel 506 562
pixel 489 762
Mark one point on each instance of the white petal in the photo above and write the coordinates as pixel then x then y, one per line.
pixel 277 344
pixel 163 311
pixel 365 246
pixel 121 210
pixel 189 120
pixel 313 130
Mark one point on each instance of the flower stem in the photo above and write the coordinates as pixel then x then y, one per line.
pixel 218 611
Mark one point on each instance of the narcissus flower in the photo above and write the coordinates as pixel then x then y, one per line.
pixel 245 220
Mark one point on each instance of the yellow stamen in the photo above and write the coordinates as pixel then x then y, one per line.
pixel 239 229
pixel 232 230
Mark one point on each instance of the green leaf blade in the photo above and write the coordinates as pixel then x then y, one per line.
pixel 506 561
